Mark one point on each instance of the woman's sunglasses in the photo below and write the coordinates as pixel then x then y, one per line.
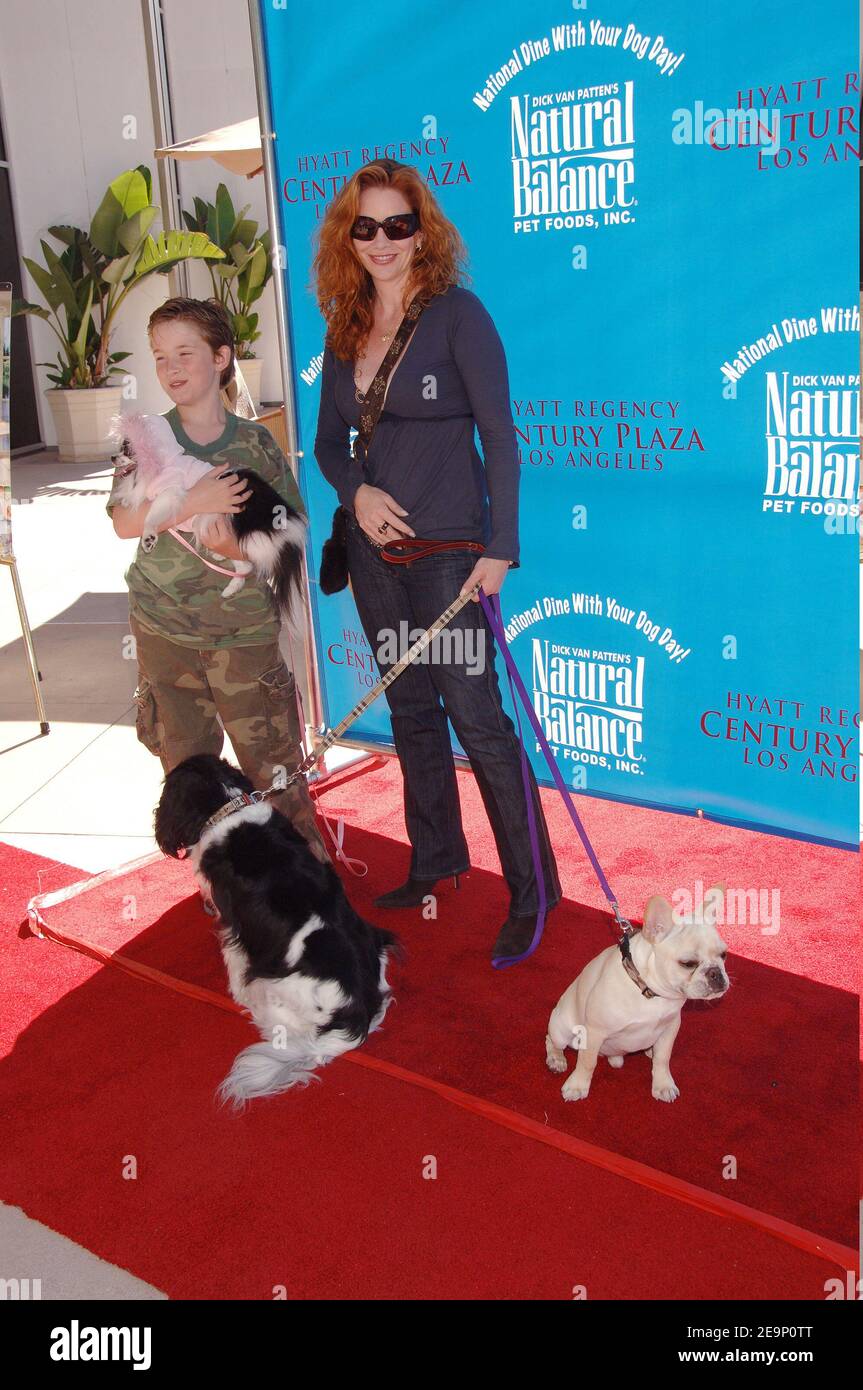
pixel 396 228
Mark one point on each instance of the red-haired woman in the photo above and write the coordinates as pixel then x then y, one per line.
pixel 384 242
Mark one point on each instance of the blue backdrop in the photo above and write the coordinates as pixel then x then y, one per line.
pixel 660 204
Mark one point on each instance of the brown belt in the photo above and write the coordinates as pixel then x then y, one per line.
pixel 403 551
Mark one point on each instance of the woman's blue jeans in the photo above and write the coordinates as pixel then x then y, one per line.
pixel 456 679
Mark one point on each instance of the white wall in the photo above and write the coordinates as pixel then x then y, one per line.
pixel 71 72
pixel 212 83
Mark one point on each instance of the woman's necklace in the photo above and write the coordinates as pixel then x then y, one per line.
pixel 360 396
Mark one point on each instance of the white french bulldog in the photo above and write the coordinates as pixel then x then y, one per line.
pixel 605 1012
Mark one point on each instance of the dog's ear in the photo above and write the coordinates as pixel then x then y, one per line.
pixel 658 919
pixel 167 829
pixel 175 823
pixel 714 905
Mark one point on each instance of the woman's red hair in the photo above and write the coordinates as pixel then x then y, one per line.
pixel 344 288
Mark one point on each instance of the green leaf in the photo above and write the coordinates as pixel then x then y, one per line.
pixel 132 190
pixel 260 267
pixel 241 254
pixel 21 306
pixel 254 277
pixel 68 235
pixel 107 218
pixel 115 272
pixel 62 284
pixel 125 196
pixel 133 231
pixel 148 180
pixel 91 258
pixel 225 215
pixel 172 247
pixel 44 283
pixel 244 230
pixel 80 344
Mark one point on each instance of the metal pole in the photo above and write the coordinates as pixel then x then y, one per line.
pixel 286 355
pixel 163 122
pixel 7 556
pixel 35 673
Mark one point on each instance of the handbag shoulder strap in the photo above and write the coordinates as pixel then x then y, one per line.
pixel 375 397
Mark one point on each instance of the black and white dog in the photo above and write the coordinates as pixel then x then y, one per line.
pixel 153 467
pixel 310 971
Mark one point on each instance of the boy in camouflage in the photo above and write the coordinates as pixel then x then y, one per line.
pixel 206 664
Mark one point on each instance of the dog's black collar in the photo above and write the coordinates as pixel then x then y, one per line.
pixel 631 969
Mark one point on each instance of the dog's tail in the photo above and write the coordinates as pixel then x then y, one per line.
pixel 265 1069
pixel 291 1059
pixel 278 555
pixel 288 572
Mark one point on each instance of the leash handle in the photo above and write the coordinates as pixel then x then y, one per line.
pixel 357 867
pixel 408 548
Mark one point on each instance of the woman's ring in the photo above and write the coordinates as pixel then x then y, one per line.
pixel 384 526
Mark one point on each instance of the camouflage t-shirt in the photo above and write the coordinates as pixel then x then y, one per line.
pixel 175 594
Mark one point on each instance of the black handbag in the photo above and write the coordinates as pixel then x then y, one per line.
pixel 334 556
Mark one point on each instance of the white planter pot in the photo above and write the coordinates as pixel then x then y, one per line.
pixel 252 367
pixel 82 420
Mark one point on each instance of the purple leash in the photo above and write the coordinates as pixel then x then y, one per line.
pixel 491 607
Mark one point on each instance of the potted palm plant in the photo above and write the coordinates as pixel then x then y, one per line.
pixel 240 278
pixel 84 288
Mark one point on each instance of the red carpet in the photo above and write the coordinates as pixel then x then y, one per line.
pixel 501 1203
pixel 324 1195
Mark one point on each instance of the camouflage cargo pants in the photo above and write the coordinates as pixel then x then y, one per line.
pixel 183 693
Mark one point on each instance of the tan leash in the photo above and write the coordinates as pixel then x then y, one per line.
pixel 377 690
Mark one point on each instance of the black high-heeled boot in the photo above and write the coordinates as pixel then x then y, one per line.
pixel 515 936
pixel 411 893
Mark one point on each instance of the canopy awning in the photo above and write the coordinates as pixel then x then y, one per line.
pixel 236 147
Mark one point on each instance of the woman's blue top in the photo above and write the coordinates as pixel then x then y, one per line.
pixel 450 381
